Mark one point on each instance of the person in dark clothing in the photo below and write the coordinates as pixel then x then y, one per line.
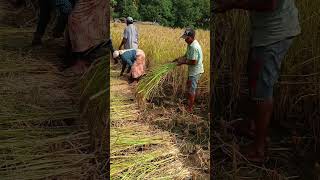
pixel 63 8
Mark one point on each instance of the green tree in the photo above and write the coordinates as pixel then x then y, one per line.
pixel 155 10
pixel 204 6
pixel 127 8
pixel 174 13
pixel 187 13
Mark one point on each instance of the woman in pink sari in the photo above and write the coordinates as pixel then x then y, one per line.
pixel 135 59
pixel 87 28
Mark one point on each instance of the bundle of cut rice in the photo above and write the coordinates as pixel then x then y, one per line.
pixel 151 84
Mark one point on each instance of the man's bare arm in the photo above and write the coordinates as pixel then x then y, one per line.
pixel 124 65
pixel 187 62
pixel 182 58
pixel 129 69
pixel 123 42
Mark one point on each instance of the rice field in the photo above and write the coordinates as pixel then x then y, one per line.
pixel 148 142
pixel 163 45
pixel 297 97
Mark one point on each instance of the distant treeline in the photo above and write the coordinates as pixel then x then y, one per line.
pixel 173 13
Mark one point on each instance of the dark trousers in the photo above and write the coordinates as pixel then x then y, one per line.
pixel 46 8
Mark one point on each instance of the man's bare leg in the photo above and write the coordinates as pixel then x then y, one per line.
pixel 191 99
pixel 262 120
pixel 246 127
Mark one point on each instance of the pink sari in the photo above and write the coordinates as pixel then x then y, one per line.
pixel 138 67
pixel 87 24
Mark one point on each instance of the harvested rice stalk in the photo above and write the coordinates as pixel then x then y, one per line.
pixel 149 86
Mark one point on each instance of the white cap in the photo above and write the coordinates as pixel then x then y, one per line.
pixel 115 54
pixel 130 19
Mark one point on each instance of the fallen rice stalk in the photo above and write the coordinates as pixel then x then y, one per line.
pixel 36 142
pixel 139 151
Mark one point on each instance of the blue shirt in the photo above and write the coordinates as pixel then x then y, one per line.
pixel 129 56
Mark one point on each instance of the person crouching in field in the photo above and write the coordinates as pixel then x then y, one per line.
pixel 193 58
pixel 274 24
pixel 135 59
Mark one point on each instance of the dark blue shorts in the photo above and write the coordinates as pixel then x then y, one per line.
pixel 264 68
pixel 193 83
pixel 63 6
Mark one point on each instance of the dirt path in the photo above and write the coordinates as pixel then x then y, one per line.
pixel 41 135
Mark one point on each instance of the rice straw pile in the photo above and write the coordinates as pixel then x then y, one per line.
pixel 40 131
pixel 138 150
pixel 150 85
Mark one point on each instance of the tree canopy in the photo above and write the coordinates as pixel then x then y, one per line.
pixel 173 13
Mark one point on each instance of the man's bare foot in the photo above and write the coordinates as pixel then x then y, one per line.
pixel 80 67
pixel 36 42
pixel 189 109
pixel 131 80
pixel 243 128
pixel 253 154
pixel 133 83
pixel 56 34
